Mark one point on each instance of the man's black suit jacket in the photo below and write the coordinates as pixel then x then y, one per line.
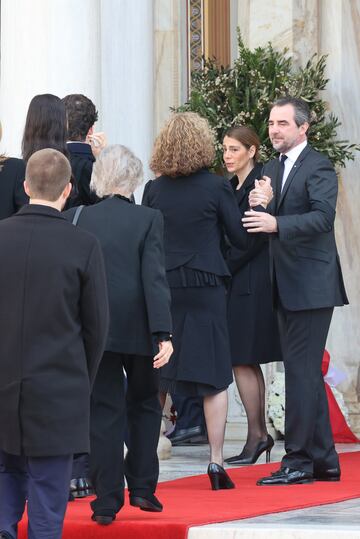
pixel 12 194
pixel 131 238
pixel 304 257
pixel 82 160
pixel 53 326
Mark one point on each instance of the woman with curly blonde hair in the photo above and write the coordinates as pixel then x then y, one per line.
pixel 197 207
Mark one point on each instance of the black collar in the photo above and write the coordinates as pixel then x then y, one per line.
pixel 124 198
pixel 39 209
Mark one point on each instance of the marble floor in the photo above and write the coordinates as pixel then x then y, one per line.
pixel 335 521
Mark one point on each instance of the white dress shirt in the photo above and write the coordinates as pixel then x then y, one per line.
pixel 292 156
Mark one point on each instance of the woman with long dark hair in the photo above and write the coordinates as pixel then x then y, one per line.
pixel 45 126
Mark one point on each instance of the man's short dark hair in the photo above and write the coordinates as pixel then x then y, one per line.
pixel 47 173
pixel 81 115
pixel 301 108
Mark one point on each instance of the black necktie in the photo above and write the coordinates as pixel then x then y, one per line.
pixel 279 178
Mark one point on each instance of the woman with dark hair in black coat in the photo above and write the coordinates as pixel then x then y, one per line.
pixel 45 126
pixel 250 312
pixel 12 194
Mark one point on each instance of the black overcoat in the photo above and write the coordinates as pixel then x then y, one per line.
pixel 12 194
pixel 53 326
pixel 131 238
pixel 250 310
pixel 82 161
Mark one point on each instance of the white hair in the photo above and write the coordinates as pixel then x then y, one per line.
pixel 116 170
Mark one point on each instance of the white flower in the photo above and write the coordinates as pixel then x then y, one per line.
pixel 276 402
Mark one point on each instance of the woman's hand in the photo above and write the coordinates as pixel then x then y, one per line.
pixel 165 352
pixel 262 194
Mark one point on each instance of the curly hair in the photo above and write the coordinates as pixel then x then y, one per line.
pixel 184 145
pixel 81 115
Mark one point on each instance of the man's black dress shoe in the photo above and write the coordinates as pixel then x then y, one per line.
pixel 245 458
pixel 148 503
pixel 286 476
pixel 327 474
pixel 81 487
pixel 192 435
pixel 103 520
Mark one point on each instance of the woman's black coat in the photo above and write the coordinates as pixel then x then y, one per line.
pixel 12 194
pixel 253 328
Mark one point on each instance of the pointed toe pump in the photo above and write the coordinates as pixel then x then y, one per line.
pixel 219 479
pixel 244 460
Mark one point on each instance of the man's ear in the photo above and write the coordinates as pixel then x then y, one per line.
pixel 67 190
pixel 26 188
pixel 91 130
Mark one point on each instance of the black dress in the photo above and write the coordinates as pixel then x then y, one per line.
pixel 196 210
pixel 253 329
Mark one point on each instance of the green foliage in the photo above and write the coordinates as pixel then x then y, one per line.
pixel 243 94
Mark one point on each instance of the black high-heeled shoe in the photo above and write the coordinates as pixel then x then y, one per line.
pixel 219 479
pixel 242 460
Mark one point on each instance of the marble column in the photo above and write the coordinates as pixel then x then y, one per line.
pixel 46 47
pixel 170 84
pixel 338 37
pixel 127 75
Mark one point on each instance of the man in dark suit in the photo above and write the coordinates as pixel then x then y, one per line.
pixel 307 284
pixel 84 145
pixel 131 237
pixel 53 326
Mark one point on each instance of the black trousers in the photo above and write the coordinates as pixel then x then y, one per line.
pixel 41 481
pixel 113 407
pixel 308 437
pixel 190 412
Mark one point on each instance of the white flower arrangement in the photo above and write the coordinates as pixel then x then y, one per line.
pixel 276 402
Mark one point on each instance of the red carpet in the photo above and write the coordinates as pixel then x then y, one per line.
pixel 190 502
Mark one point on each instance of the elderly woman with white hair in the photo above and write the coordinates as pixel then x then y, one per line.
pixel 131 238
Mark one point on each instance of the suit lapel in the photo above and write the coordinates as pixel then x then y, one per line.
pixel 293 172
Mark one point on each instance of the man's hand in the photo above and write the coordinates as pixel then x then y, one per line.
pixel 97 142
pixel 257 221
pixel 165 352
pixel 262 194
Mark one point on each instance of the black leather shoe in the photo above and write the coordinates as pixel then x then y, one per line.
pixel 193 435
pixel 219 479
pixel 327 474
pixel 286 476
pixel 245 458
pixel 81 487
pixel 148 503
pixel 103 520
